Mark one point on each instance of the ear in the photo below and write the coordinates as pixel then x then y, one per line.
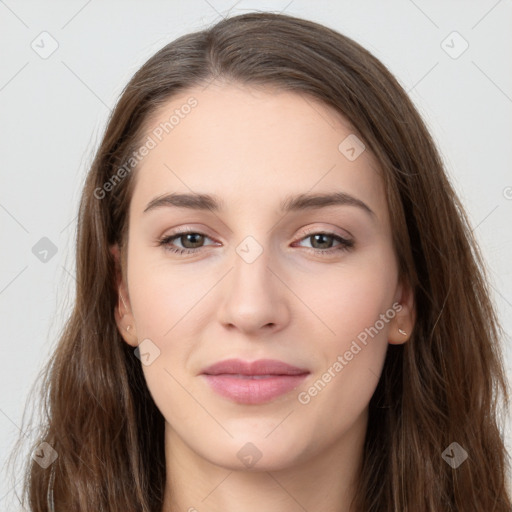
pixel 405 314
pixel 122 312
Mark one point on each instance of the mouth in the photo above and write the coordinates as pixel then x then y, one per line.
pixel 254 382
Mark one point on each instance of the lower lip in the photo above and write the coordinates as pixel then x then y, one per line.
pixel 250 390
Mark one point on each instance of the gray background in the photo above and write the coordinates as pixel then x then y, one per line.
pixel 54 109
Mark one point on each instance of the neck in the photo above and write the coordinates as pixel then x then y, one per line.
pixel 318 481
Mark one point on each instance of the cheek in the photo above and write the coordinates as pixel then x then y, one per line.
pixel 169 302
pixel 356 307
pixel 351 297
pixel 164 295
pixel 165 303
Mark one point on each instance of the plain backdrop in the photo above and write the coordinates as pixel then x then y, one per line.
pixel 65 63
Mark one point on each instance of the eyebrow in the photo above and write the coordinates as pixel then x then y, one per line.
pixel 298 202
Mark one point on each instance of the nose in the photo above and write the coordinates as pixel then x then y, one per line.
pixel 253 298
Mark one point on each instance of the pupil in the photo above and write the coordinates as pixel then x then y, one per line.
pixel 321 243
pixel 194 242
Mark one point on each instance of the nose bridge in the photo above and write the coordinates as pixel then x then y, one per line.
pixel 252 298
pixel 251 275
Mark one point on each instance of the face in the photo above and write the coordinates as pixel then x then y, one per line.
pixel 256 272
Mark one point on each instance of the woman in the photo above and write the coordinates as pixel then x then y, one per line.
pixel 280 304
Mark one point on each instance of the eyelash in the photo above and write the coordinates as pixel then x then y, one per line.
pixel 344 244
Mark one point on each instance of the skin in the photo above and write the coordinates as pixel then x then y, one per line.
pixel 253 147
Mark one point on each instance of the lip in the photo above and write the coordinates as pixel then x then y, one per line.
pixel 253 382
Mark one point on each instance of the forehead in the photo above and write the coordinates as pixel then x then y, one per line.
pixel 252 148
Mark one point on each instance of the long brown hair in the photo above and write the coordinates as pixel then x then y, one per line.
pixel 445 385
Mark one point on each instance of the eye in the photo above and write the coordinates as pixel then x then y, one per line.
pixel 190 241
pixel 322 243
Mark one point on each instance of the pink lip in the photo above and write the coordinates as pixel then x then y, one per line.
pixel 253 382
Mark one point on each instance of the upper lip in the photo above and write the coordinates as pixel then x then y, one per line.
pixel 259 367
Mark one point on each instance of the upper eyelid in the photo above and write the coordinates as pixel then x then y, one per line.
pixel 310 231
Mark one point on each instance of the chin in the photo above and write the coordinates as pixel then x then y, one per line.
pixel 255 453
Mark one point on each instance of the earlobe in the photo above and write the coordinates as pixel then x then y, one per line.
pixel 122 311
pixel 125 326
pixel 402 325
